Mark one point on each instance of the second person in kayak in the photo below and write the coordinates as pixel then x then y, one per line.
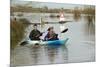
pixel 51 35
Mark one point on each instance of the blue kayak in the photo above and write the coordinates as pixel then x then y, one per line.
pixel 48 43
pixel 56 42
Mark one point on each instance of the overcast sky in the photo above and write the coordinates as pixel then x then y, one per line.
pixel 48 4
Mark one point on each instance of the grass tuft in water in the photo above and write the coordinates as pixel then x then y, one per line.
pixel 17 31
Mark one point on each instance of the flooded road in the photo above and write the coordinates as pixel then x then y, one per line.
pixel 79 48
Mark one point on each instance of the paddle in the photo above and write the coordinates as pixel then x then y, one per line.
pixel 65 30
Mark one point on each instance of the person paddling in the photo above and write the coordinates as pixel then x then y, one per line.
pixel 51 35
pixel 35 33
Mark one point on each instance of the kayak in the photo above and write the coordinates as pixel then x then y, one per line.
pixel 56 42
pixel 48 43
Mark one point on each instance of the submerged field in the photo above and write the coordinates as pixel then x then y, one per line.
pixel 79 48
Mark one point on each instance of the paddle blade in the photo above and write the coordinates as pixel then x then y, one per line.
pixel 65 30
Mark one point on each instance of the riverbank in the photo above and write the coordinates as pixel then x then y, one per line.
pixel 17 32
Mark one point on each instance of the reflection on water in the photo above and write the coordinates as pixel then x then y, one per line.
pixel 90 27
pixel 45 54
pixel 57 55
pixel 39 55
pixel 35 54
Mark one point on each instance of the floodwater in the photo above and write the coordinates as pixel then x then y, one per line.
pixel 79 48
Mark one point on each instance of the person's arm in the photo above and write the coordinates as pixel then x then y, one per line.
pixel 39 34
pixel 31 35
pixel 46 37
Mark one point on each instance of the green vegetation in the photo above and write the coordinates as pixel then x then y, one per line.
pixel 30 9
pixel 17 31
pixel 77 13
pixel 90 11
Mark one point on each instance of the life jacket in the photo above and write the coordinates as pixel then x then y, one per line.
pixel 33 35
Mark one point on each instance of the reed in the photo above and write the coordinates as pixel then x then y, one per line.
pixel 17 32
pixel 76 13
